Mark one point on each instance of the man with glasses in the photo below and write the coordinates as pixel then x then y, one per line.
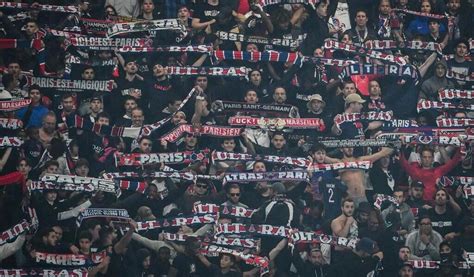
pixel 424 242
pixel 233 196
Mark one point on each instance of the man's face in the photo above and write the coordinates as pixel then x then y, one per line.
pixel 434 27
pixel 137 118
pixel 96 106
pixel 384 7
pixel 183 13
pixel 174 106
pixel 399 196
pixel 59 232
pixel 88 74
pixel 68 104
pixel 251 97
pixel 417 192
pixel 226 262
pixel 131 68
pixel 461 50
pixel 348 151
pixel 346 39
pixel 31 28
pixel 202 82
pixel 348 208
pixel 82 170
pixel 201 188
pixel 454 5
pixel 319 156
pixel 348 89
pixel 441 198
pixel 425 225
pixel 259 167
pixel 406 271
pixel 445 249
pixel 178 118
pixel 361 19
pixel 255 78
pixel 316 257
pixel 427 159
pixel 440 71
pixel 404 254
pixel 23 167
pixel 278 141
pixel 130 105
pixel 145 146
pixel 103 121
pixel 373 223
pixel 228 145
pixel 158 70
pixel 251 48
pixel 52 169
pixel 52 239
pixel 51 196
pixel 14 69
pixel 85 245
pixel 35 96
pixel 374 89
pixel 234 195
pixel 425 7
pixel 279 95
pixel 316 105
pixel 190 141
pixel 148 6
pixel 49 124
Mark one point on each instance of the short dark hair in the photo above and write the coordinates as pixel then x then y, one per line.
pixel 34 87
pixel 84 235
pixel 231 186
pixel 82 162
pixel 318 146
pixel 103 115
pixel 65 96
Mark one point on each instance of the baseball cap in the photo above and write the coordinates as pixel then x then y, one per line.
pixel 354 97
pixel 314 97
pixel 366 245
pixel 278 188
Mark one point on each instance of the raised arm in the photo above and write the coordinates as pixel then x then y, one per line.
pixel 377 156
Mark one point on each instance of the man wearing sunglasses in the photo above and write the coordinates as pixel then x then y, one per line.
pixel 233 196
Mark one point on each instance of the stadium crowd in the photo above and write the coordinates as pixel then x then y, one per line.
pixel 236 138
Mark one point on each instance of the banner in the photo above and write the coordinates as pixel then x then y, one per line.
pixel 254 56
pixel 88 187
pixel 365 165
pixel 210 130
pixel 208 71
pixel 371 116
pixel 79 122
pixel 159 174
pixel 72 85
pixel 285 42
pixel 245 177
pixel 384 70
pixel 10 142
pixel 229 156
pixel 278 123
pixel 330 62
pixel 242 243
pixel 12 105
pixel 175 48
pixel 140 159
pixel 297 237
pixel 385 45
pixel 455 94
pixel 148 25
pixel 10 123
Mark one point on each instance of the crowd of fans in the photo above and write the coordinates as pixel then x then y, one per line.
pixel 410 214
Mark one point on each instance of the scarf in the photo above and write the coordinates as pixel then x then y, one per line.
pixel 11 43
pixel 79 122
pixel 96 26
pixel 174 48
pixel 330 62
pixel 10 142
pixel 278 123
pixel 251 229
pixel 48 8
pixel 175 222
pixel 97 43
pixel 355 143
pixel 264 3
pixel 362 51
pixel 455 94
pixel 140 159
pixel 380 198
pixel 234 107
pixel 72 85
pixel 228 156
pixel 159 174
pixel 116 214
pixel 386 70
pixel 246 177
pixel 43 185
pixel 208 71
pixel 371 116
pixel 265 56
pixel 233 211
pixel 285 42
pixel 12 233
pixel 12 105
pixel 209 130
pixel 430 15
pixel 242 243
pixel 10 123
pixel 316 167
pixel 69 259
pixel 385 45
pixel 298 237
pixel 78 272
pixel 144 26
pixel 428 105
pixel 455 122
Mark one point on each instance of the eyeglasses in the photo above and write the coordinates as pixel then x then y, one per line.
pixel 201 186
pixel 235 194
